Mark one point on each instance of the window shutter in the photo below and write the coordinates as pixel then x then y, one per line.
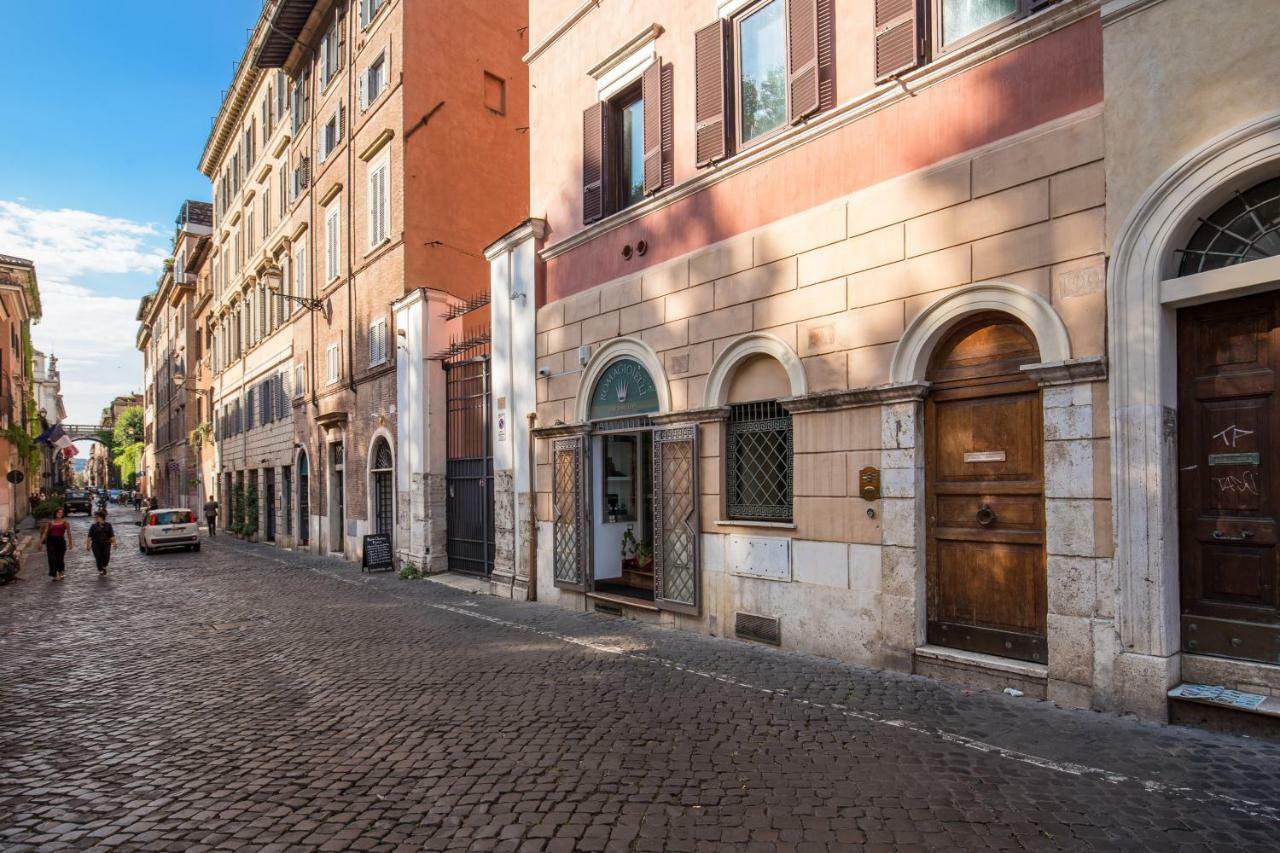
pixel 709 109
pixel 802 57
pixel 342 125
pixel 249 406
pixel 1037 5
pixel 654 115
pixel 373 344
pixel 593 165
pixel 364 90
pixel 283 378
pixel 898 37
pixel 304 174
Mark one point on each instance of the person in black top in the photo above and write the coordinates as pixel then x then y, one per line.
pixel 101 537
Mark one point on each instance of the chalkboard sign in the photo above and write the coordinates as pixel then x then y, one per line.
pixel 377 554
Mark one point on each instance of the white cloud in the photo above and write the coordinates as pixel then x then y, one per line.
pixel 91 333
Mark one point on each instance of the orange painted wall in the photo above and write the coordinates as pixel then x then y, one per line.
pixel 1051 77
pixel 466 168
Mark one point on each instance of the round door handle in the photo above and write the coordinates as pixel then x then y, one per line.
pixel 986 516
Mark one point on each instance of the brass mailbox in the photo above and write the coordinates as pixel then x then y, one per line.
pixel 869 484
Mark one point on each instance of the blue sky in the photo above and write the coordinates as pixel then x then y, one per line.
pixel 106 108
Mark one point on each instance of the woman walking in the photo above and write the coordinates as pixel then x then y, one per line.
pixel 55 539
pixel 101 539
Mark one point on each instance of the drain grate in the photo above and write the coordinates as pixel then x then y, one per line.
pixel 609 609
pixel 762 629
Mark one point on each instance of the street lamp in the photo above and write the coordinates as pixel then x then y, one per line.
pixel 274 272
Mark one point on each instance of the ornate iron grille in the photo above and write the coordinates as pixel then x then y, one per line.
pixel 1246 228
pixel 567 497
pixel 469 508
pixel 759 461
pixel 382 470
pixel 675 535
pixel 621 424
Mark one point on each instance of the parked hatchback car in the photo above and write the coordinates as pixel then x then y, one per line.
pixel 76 500
pixel 168 528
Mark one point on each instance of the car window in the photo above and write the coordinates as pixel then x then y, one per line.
pixel 179 516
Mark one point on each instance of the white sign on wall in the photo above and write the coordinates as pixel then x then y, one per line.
pixel 766 557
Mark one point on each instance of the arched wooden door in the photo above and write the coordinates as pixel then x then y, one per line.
pixel 984 487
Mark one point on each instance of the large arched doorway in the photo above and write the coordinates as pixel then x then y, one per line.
pixel 624 488
pixel 984 487
pixel 1228 426
pixel 304 499
pixel 382 487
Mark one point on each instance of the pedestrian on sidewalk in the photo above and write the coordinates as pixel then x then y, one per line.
pixel 102 537
pixel 55 538
pixel 211 515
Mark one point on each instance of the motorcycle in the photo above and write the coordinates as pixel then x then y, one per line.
pixel 10 566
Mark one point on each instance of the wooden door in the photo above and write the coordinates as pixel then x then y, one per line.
pixel 1228 353
pixel 984 493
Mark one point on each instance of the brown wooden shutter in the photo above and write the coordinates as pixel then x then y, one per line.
pixel 593 164
pixel 654 109
pixel 826 55
pixel 898 37
pixel 710 99
pixel 1037 5
pixel 802 57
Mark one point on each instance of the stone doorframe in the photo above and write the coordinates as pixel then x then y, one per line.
pixel 1142 295
pixel 1067 397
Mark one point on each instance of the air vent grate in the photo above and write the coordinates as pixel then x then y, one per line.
pixel 762 629
pixel 608 609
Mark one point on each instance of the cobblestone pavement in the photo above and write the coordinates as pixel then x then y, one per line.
pixel 246 698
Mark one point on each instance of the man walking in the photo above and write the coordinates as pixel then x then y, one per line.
pixel 101 539
pixel 211 515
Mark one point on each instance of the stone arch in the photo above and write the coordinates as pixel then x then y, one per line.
pixel 740 349
pixel 610 352
pixel 381 434
pixel 1143 382
pixel 911 358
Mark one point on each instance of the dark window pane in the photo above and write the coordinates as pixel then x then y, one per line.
pixel 961 17
pixel 763 83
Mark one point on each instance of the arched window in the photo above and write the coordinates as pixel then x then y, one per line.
pixel 1246 228
pixel 380 474
pixel 759 457
pixel 304 499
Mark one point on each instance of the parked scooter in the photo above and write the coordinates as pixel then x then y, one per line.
pixel 10 566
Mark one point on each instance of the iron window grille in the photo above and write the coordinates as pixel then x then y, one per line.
pixel 1246 228
pixel 759 462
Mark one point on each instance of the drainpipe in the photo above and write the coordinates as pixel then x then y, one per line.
pixel 531 592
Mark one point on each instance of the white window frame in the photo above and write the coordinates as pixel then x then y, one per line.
pixel 332 364
pixel 378 342
pixel 332 242
pixel 325 147
pixel 367 94
pixel 379 202
pixel 300 283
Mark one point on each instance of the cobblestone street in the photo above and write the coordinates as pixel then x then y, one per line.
pixel 244 698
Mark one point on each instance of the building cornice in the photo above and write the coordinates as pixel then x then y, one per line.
pixel 906 86
pixel 530 228
pixel 560 29
pixel 233 103
pixel 1118 10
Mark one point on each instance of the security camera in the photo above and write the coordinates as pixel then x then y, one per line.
pixel 544 372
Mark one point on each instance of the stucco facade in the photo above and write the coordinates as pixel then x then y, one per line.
pixel 1203 74
pixel 821 270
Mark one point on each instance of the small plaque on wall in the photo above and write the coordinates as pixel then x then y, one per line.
pixel 766 557
pixel 985 456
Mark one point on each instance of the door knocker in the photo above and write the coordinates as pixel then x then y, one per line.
pixel 986 516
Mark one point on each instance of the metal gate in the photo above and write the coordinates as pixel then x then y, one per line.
pixel 469 465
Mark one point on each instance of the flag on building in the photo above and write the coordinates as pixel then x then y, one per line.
pixel 52 435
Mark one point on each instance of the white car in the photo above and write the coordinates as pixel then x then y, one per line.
pixel 168 528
